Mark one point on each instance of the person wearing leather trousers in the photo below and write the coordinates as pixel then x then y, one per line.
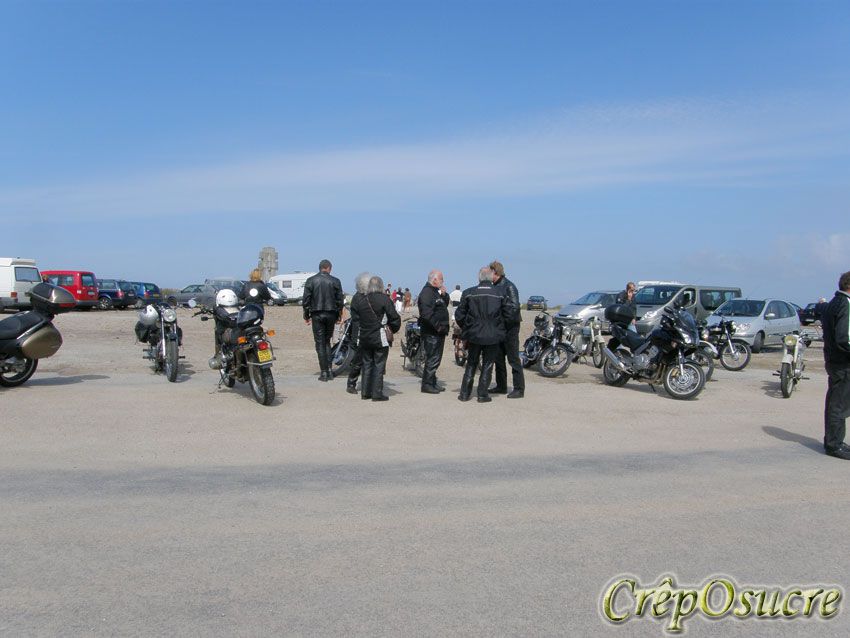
pixel 433 305
pixel 372 312
pixel 482 315
pixel 361 284
pixel 322 303
pixel 509 348
pixel 835 321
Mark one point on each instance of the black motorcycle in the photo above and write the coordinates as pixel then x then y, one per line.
pixel 157 328
pixel 342 351
pixel 411 347
pixel 662 357
pixel 243 351
pixel 461 346
pixel 547 348
pixel 734 355
pixel 26 337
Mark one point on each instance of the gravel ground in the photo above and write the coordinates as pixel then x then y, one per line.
pixel 131 506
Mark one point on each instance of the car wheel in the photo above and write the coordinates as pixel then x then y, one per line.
pixel 758 343
pixel 104 303
pixel 139 304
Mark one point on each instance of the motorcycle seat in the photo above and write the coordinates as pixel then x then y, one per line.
pixel 14 326
pixel 630 339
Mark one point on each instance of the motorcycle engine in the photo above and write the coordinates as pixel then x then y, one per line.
pixel 645 360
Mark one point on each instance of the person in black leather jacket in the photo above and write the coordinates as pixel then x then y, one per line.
pixel 361 285
pixel 322 303
pixel 835 321
pixel 509 348
pixel 482 315
pixel 433 303
pixel 255 283
pixel 370 311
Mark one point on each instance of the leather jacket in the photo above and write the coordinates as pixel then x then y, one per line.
pixel 483 313
pixel 433 311
pixel 263 295
pixel 836 330
pixel 509 290
pixel 322 293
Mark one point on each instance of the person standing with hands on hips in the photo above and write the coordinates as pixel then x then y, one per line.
pixel 835 321
pixel 323 303
pixel 433 305
pixel 509 348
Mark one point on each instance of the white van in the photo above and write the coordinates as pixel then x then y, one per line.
pixel 292 285
pixel 17 277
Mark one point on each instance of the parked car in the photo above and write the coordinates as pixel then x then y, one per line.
pixel 535 302
pixel 82 284
pixel 809 314
pixel 758 322
pixel 591 305
pixel 203 294
pixel 700 301
pixel 146 293
pixel 278 296
pixel 115 293
pixel 17 277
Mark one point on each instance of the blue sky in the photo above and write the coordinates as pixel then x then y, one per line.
pixel 583 144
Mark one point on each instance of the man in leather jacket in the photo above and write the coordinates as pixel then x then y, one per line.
pixel 482 315
pixel 323 302
pixel 509 348
pixel 433 305
pixel 835 321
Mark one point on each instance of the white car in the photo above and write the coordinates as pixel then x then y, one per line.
pixel 17 277
pixel 758 322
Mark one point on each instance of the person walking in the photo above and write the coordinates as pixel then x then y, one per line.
pixel 323 303
pixel 835 321
pixel 361 285
pixel 374 313
pixel 434 326
pixel 509 348
pixel 482 315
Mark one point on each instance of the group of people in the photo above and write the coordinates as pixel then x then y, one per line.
pixel 488 315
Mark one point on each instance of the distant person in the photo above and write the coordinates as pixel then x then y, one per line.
pixel 408 300
pixel 371 312
pixel 399 300
pixel 509 348
pixel 482 314
pixel 455 295
pixel 255 282
pixel 434 326
pixel 361 285
pixel 323 303
pixel 627 298
pixel 836 354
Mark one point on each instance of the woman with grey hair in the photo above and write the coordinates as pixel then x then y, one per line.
pixel 373 313
pixel 361 283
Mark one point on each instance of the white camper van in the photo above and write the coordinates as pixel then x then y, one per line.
pixel 292 285
pixel 17 276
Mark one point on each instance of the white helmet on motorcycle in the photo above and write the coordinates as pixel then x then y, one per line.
pixel 227 298
pixel 148 316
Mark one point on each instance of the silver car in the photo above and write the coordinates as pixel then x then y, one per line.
pixel 758 322
pixel 592 304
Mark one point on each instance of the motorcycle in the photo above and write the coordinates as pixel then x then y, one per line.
pixel 411 347
pixel 342 350
pixel 793 363
pixel 157 328
pixel 243 351
pixel 733 355
pixel 28 336
pixel 546 348
pixel 586 339
pixel 664 356
pixel 461 347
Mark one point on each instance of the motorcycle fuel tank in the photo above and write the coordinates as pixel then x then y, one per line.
pixel 43 343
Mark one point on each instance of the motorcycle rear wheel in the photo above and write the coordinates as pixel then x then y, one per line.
pixel 419 362
pixel 687 386
pixel 12 380
pixel 341 361
pixel 171 360
pixel 596 354
pixel 554 361
pixel 612 376
pixel 460 354
pixel 261 381
pixel 706 361
pixel 732 350
pixel 787 382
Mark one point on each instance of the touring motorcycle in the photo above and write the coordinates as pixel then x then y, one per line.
pixel 664 356
pixel 793 363
pixel 157 328
pixel 28 336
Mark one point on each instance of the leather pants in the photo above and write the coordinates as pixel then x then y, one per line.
pixel 374 366
pixel 486 356
pixel 355 366
pixel 323 329
pixel 433 345
pixel 509 349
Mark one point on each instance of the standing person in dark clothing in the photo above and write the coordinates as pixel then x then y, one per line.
pixel 626 298
pixel 434 326
pixel 371 311
pixel 482 314
pixel 509 348
pixel 361 285
pixel 323 302
pixel 835 321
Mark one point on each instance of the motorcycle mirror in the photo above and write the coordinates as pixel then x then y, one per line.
pixel 192 303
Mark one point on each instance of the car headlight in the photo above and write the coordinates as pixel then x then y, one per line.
pixel 650 315
pixel 169 315
pixel 741 328
pixel 791 340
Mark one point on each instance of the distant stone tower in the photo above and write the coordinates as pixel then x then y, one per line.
pixel 268 263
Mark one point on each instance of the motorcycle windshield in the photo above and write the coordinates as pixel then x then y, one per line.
pixel 686 323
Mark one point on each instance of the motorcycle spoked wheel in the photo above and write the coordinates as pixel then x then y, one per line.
pixel 554 361
pixel 171 360
pixel 706 362
pixel 419 362
pixel 20 374
pixel 596 354
pixel 261 381
pixel 341 360
pixel 787 382
pixel 612 376
pixel 684 386
pixel 735 356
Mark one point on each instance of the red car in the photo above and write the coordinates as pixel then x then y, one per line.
pixel 80 283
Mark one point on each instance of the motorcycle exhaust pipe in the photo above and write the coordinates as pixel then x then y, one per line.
pixel 613 359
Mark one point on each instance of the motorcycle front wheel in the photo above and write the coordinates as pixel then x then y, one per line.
pixel 612 375
pixel 419 362
pixel 460 353
pixel 20 374
pixel 706 361
pixel 554 361
pixel 261 381
pixel 341 360
pixel 787 382
pixel 735 356
pixel 596 354
pixel 684 385
pixel 226 380
pixel 171 358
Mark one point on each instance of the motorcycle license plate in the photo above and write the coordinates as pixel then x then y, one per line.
pixel 264 355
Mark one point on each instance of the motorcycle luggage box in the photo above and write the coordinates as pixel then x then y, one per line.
pixel 51 300
pixel 43 343
pixel 620 314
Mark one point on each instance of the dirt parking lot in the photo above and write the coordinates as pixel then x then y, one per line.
pixel 132 506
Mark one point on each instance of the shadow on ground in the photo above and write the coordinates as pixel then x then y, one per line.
pixel 793 437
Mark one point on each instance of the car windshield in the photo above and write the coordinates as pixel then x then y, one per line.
pixel 25 273
pixel 656 295
pixel 536 298
pixel 740 308
pixel 589 299
pixel 272 286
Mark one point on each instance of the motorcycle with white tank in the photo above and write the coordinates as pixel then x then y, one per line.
pixel 157 328
pixel 793 362
pixel 26 337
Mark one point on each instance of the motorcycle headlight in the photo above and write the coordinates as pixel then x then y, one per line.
pixel 169 315
pixel 687 339
pixel 791 340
